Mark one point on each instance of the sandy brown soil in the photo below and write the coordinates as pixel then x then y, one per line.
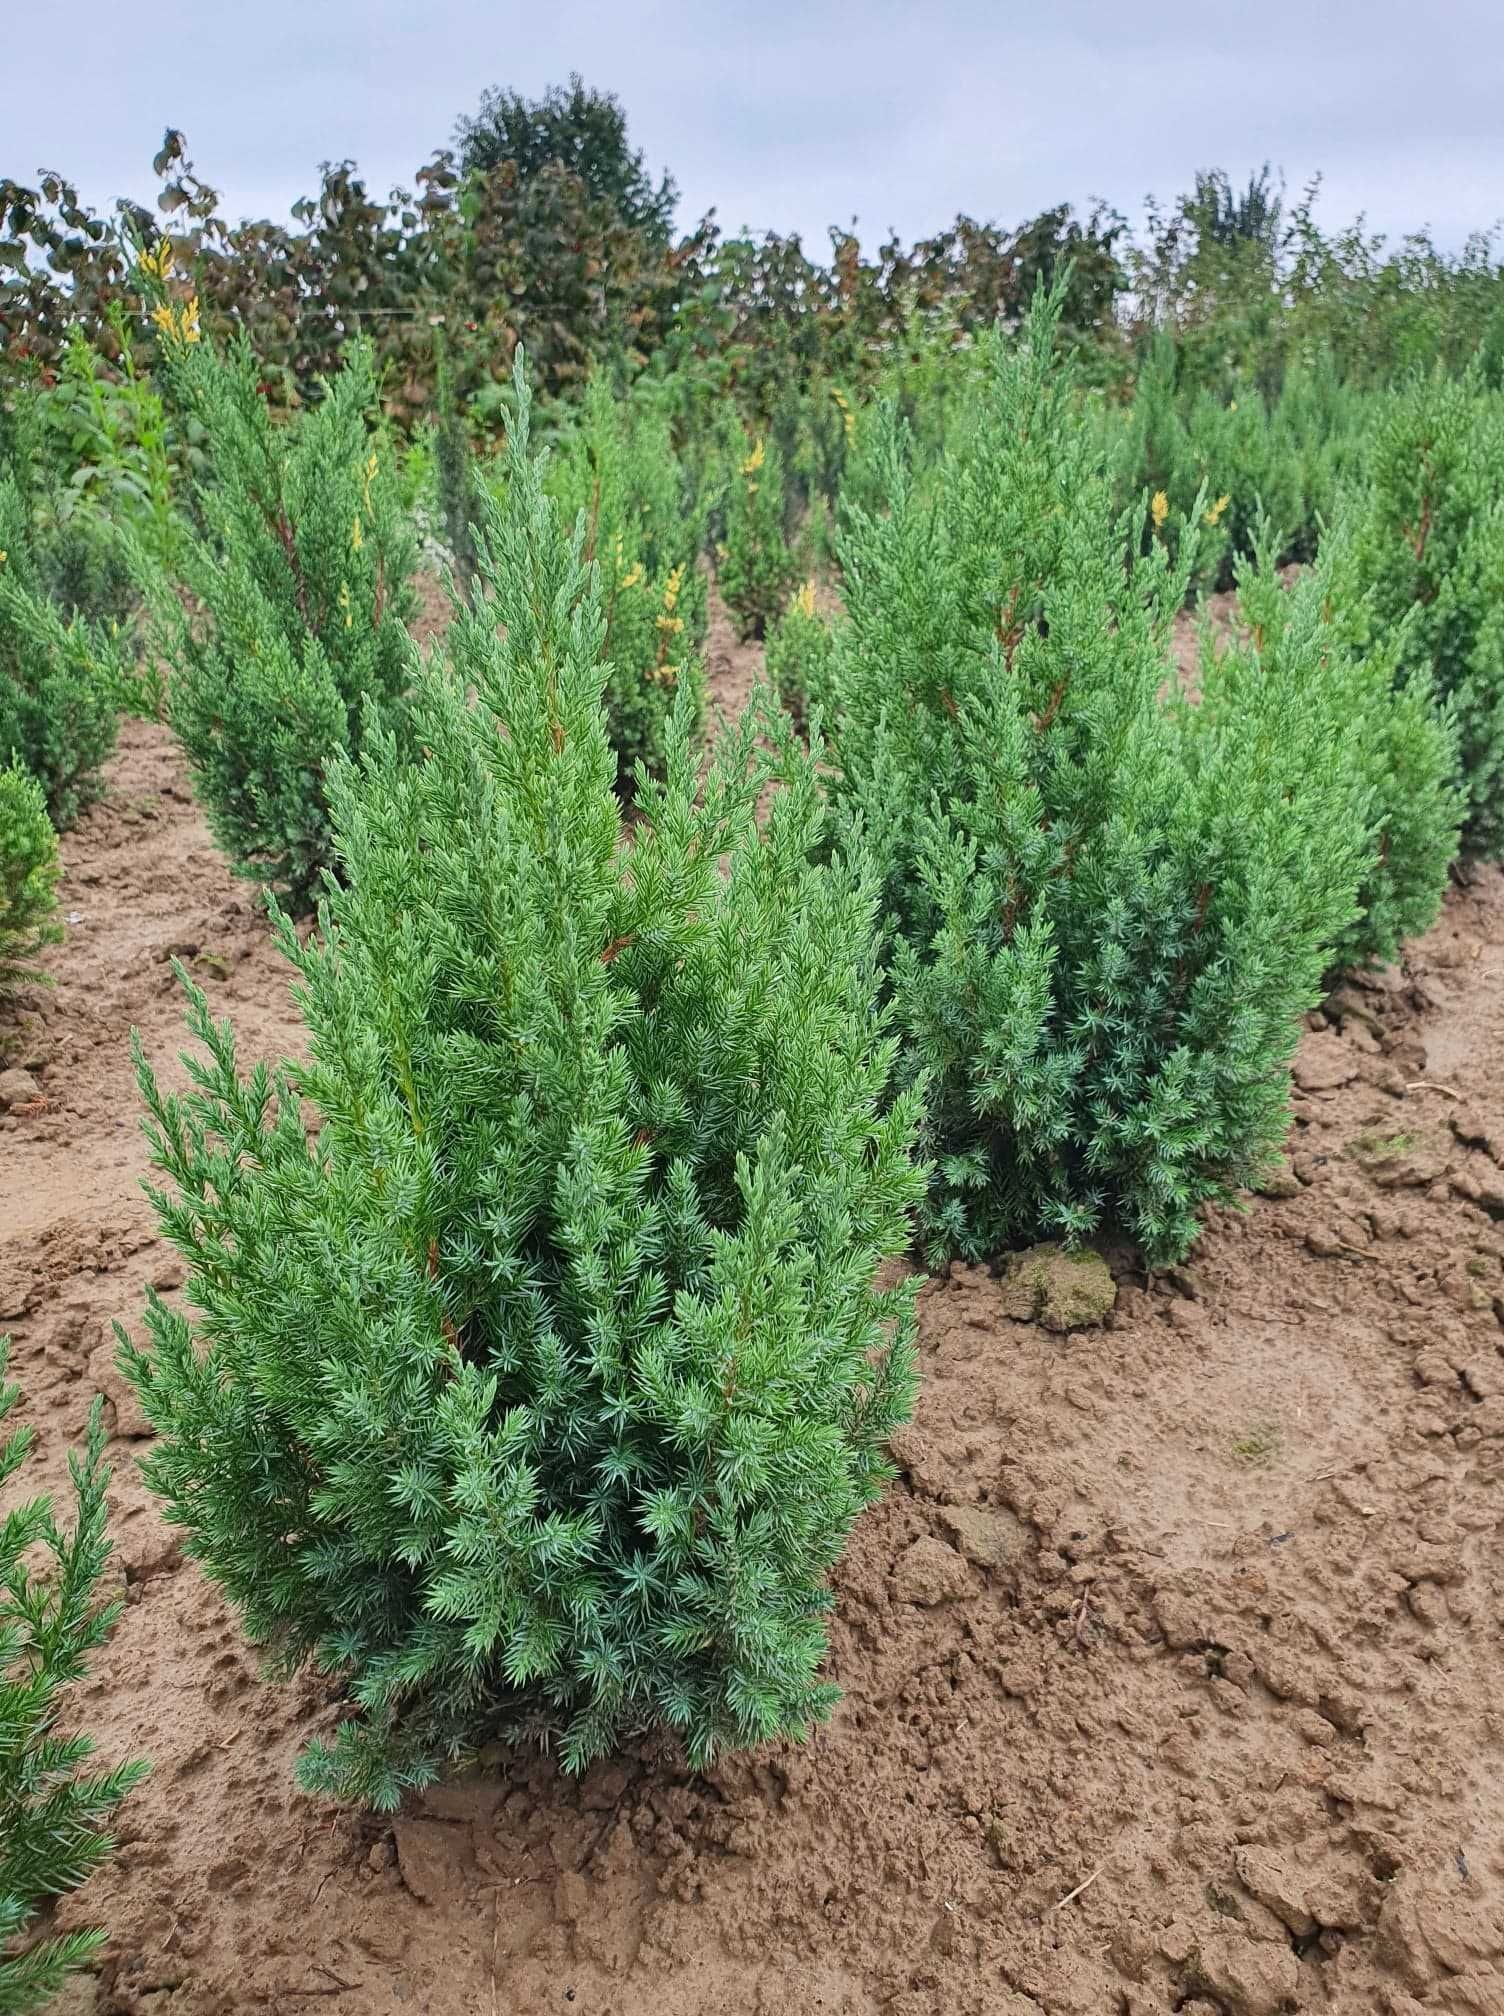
pixel 1169 1663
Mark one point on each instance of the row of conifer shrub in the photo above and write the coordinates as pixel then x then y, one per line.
pixel 62 680
pixel 534 1391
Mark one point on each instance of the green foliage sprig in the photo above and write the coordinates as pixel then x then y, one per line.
pixel 52 1811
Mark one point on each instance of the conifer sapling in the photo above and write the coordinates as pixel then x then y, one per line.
pixel 800 648
pixel 29 871
pixel 301 571
pixel 59 677
pixel 52 1811
pixel 1427 561
pixel 755 569
pixel 1106 924
pixel 617 468
pixel 535 1391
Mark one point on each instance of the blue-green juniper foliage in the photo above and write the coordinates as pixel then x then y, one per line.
pixel 52 1810
pixel 535 1390
pixel 1108 910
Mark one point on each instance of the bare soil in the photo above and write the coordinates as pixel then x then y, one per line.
pixel 1169 1662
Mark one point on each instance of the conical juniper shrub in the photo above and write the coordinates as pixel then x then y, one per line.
pixel 1106 918
pixel 29 875
pixel 754 568
pixel 799 650
pixel 537 1390
pixel 300 565
pixel 59 677
pixel 645 531
pixel 1427 553
pixel 1305 652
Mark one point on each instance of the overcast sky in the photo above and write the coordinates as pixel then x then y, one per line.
pixel 795 116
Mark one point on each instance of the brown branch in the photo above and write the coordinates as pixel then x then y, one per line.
pixel 290 548
pixel 1052 707
pixel 1009 629
pixel 1425 529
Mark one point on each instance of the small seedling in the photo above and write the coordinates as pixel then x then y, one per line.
pixel 1259 1446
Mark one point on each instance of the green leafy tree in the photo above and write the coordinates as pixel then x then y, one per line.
pixel 1107 920
pixel 60 680
pixel 576 128
pixel 52 1811
pixel 29 871
pixel 536 1391
pixel 301 567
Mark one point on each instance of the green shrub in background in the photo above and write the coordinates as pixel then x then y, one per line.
pixel 536 1392
pixel 1107 919
pixel 1300 660
pixel 453 469
pixel 754 567
pixel 800 650
pixel 1427 562
pixel 29 871
pixel 60 679
pixel 1318 430
pixel 58 454
pixel 301 566
pixel 812 424
pixel 1150 450
pixel 616 470
pixel 1252 462
pixel 52 1812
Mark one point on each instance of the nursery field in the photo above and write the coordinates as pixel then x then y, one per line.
pixel 1168 1665
pixel 751 1104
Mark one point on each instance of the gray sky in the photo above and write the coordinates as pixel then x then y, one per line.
pixel 796 116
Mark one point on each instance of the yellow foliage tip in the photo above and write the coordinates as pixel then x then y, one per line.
pixel 157 264
pixel 1214 511
pixel 178 321
pixel 1159 509
pixel 804 601
pixel 756 459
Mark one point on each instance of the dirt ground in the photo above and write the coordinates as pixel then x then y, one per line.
pixel 1169 1663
